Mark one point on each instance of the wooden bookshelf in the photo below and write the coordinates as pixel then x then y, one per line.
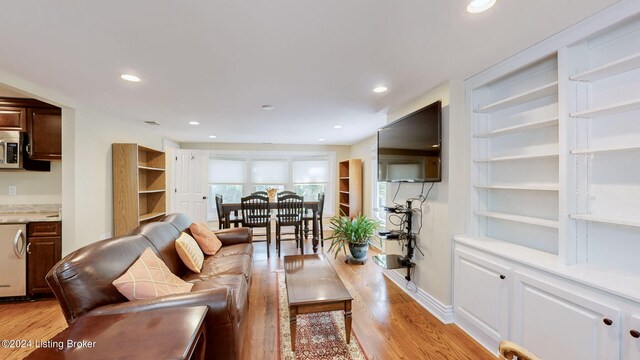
pixel 350 187
pixel 139 186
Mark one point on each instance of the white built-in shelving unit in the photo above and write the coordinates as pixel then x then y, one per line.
pixel 603 139
pixel 515 159
pixel 550 255
pixel 556 152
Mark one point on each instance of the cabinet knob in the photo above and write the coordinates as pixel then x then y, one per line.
pixel 502 277
pixel 635 333
pixel 607 322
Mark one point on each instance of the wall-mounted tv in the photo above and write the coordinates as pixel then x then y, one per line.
pixel 409 149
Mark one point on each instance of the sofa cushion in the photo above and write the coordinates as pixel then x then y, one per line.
pixel 215 266
pixel 149 277
pixel 189 252
pixel 208 241
pixel 238 249
pixel 235 282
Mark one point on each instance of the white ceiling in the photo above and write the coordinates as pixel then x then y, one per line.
pixel 217 62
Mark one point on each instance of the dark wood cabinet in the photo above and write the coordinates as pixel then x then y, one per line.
pixel 45 133
pixel 13 118
pixel 44 250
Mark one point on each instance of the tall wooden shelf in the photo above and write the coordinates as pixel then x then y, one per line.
pixel 139 186
pixel 350 187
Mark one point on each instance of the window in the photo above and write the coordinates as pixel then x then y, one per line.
pixel 237 175
pixel 379 190
pixel 310 178
pixel 227 178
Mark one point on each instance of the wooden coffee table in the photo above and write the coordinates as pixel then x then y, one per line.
pixel 175 333
pixel 314 286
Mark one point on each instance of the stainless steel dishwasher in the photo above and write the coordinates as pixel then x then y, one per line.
pixel 13 260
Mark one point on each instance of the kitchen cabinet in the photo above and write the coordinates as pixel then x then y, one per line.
pixel 13 118
pixel 482 295
pixel 556 321
pixel 44 250
pixel 45 133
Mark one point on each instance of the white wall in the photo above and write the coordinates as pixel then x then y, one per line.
pixel 87 135
pixel 32 187
pixel 443 212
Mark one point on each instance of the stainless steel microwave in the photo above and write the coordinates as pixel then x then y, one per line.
pixel 10 150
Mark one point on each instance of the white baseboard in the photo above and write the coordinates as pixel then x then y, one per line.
pixel 443 312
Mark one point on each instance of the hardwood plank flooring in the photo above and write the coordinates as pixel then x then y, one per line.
pixel 388 323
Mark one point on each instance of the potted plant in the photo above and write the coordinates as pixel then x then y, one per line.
pixel 354 232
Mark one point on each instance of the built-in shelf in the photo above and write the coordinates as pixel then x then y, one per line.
pixel 601 219
pixel 150 191
pixel 150 216
pixel 514 158
pixel 519 128
pixel 344 178
pixel 631 62
pixel 344 192
pixel 343 204
pixel 542 91
pixel 519 218
pixel 150 168
pixel 532 187
pixel 605 149
pixel 620 107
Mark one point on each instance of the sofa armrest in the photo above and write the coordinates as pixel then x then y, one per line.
pixel 234 236
pixel 222 310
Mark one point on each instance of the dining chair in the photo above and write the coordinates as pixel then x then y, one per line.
pixel 256 214
pixel 289 213
pixel 225 220
pixel 308 216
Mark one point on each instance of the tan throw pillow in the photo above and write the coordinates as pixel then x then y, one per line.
pixel 190 252
pixel 208 241
pixel 149 277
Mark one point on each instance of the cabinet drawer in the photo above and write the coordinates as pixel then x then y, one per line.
pixel 36 229
pixel 13 118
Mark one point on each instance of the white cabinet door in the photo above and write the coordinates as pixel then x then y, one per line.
pixel 629 339
pixel 482 296
pixel 559 323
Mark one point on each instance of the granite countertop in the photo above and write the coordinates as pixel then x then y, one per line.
pixel 22 214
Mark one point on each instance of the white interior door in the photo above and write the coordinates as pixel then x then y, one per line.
pixel 191 184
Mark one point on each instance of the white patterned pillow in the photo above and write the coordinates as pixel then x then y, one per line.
pixel 190 252
pixel 149 277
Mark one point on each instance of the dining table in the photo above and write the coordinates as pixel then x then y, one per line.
pixel 236 208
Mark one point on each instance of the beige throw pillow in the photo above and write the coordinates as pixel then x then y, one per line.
pixel 208 241
pixel 190 252
pixel 149 277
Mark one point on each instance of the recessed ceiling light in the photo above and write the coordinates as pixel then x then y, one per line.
pixel 321 139
pixel 380 89
pixel 130 77
pixel 268 107
pixel 212 136
pixel 478 6
pixel 337 126
pixel 152 122
pixel 194 123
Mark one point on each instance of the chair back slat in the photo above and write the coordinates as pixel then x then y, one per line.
pixel 255 211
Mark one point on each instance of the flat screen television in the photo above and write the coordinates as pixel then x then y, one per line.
pixel 409 149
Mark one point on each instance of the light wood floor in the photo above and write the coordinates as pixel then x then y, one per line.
pixel 388 323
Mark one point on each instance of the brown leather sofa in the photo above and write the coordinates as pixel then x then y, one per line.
pixel 82 280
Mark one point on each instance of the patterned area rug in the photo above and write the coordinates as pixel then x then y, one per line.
pixel 319 336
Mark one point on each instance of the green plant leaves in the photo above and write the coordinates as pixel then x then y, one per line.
pixel 358 230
